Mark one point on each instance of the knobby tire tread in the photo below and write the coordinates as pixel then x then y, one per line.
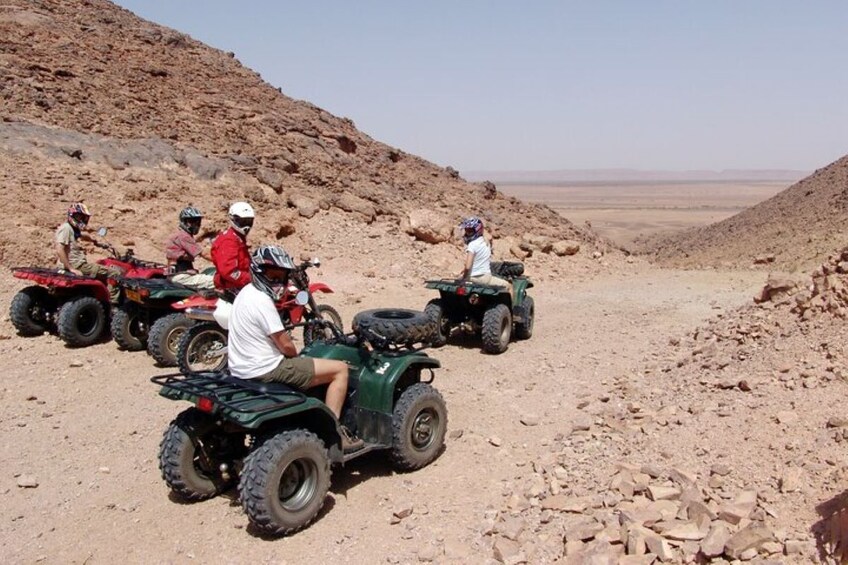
pixel 262 463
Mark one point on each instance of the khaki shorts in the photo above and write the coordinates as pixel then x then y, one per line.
pixel 198 281
pixel 490 280
pixel 294 371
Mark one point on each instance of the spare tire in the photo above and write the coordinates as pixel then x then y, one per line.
pixel 397 325
pixel 507 268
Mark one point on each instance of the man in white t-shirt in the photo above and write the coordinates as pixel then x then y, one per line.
pixel 478 255
pixel 259 348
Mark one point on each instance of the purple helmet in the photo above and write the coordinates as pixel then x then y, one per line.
pixel 472 228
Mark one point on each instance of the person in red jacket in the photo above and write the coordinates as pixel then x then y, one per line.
pixel 230 253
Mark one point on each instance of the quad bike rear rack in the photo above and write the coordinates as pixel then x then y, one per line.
pixel 240 396
pixel 48 277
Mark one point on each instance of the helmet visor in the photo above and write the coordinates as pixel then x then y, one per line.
pixel 243 222
pixel 277 275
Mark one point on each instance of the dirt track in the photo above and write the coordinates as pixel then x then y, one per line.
pixel 90 433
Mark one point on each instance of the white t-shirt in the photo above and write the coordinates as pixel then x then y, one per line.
pixel 482 257
pixel 251 353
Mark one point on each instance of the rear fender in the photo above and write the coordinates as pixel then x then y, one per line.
pixel 258 412
pixel 319 287
pixel 318 419
pixel 99 291
pixel 84 287
pixel 519 290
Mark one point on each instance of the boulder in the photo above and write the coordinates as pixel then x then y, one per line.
pixel 565 247
pixel 355 205
pixel 713 544
pixel 746 539
pixel 305 206
pixel 533 242
pixel 203 167
pixel 428 226
pixel 271 178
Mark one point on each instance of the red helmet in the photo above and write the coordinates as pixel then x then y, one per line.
pixel 78 215
pixel 473 228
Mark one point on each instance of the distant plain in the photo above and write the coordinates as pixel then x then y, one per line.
pixel 623 211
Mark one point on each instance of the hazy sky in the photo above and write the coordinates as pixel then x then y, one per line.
pixel 541 85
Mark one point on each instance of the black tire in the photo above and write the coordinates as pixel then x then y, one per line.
pixel 497 328
pixel 507 269
pixel 164 337
pixel 441 326
pixel 31 311
pixel 128 330
pixel 81 321
pixel 396 324
pixel 419 423
pixel 202 347
pixel 190 456
pixel 524 330
pixel 285 481
pixel 325 312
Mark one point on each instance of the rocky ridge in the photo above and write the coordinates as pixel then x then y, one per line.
pixel 793 231
pixel 142 117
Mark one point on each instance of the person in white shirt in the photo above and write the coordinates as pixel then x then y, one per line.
pixel 478 255
pixel 259 347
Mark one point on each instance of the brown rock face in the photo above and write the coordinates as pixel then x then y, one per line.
pixel 795 228
pixel 101 106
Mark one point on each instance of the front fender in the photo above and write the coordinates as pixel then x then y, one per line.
pixel 379 378
pixel 319 287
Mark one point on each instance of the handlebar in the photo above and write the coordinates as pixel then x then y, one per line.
pixel 364 336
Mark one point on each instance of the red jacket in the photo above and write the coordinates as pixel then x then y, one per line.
pixel 232 261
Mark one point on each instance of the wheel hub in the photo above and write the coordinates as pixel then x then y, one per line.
pixel 297 484
pixel 423 428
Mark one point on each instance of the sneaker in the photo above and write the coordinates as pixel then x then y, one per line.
pixel 350 442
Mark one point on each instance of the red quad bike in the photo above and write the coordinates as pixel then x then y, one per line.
pixel 76 307
pixel 203 346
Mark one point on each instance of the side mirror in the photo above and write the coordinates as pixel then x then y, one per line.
pixel 316 262
pixel 301 298
pixel 102 232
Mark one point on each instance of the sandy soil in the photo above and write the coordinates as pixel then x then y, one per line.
pixel 624 211
pixel 87 423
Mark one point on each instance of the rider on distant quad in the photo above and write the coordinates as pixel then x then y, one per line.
pixel 261 349
pixel 478 255
pixel 182 249
pixel 230 253
pixel 71 254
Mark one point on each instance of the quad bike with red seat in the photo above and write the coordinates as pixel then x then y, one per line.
pixel 74 306
pixel 202 346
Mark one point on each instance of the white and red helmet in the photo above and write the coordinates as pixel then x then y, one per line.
pixel 241 217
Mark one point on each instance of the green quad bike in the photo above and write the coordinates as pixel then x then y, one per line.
pixel 146 318
pixel 468 307
pixel 279 443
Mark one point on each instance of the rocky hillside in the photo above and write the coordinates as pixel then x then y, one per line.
pixel 728 445
pixel 138 120
pixel 795 229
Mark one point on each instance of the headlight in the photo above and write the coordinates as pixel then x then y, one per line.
pixel 474 299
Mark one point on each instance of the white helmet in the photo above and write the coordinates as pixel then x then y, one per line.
pixel 241 217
